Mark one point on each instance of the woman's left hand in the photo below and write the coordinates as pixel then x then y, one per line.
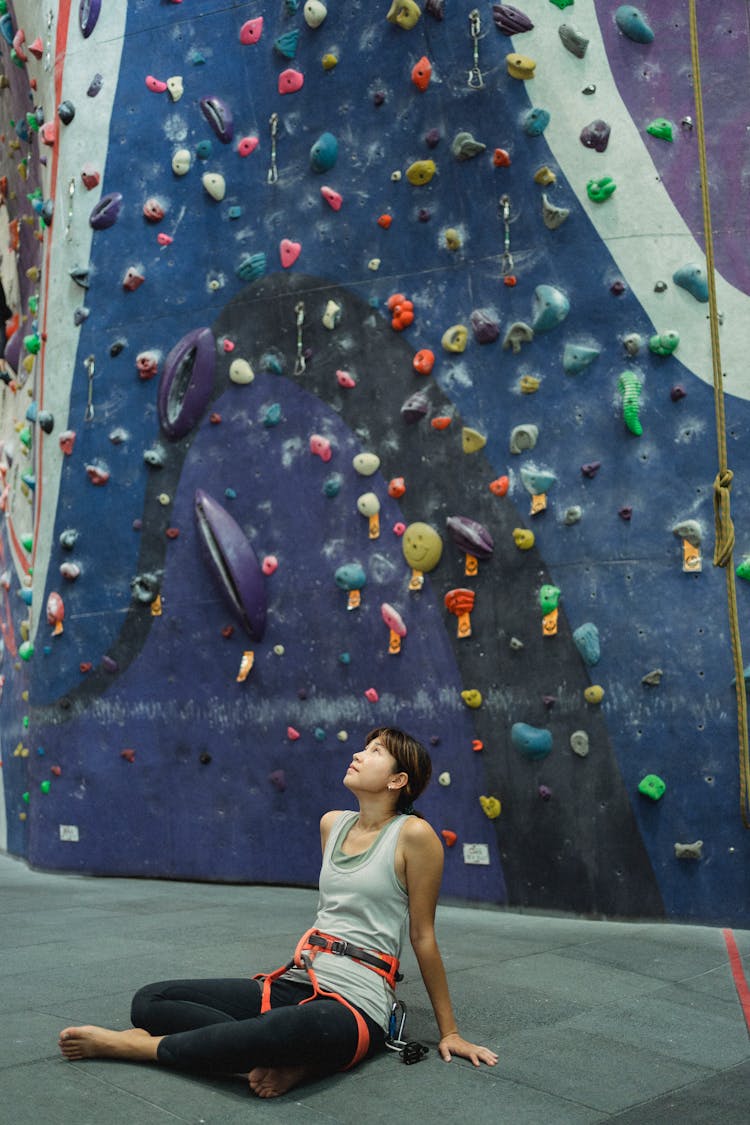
pixel 455 1044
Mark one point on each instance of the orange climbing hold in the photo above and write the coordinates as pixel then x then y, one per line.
pixel 501 158
pixel 449 837
pixel 402 312
pixel 422 73
pixel 460 602
pixel 442 422
pixel 499 487
pixel 385 221
pixel 477 745
pixel 423 361
pixel 397 487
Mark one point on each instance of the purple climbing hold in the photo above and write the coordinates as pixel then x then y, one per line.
pixel 278 780
pixel 626 513
pixel 485 326
pixel 596 135
pixel 378 98
pixel 415 407
pixel 435 8
pixel 618 287
pixel 233 562
pixel 677 392
pixel 95 85
pixel 187 382
pixel 88 14
pixel 219 116
pixel 471 537
pixel 424 215
pixel 591 468
pixel 510 20
pixel 432 138
pixel 106 212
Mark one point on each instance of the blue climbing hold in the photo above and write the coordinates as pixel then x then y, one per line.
pixel 350 576
pixel 535 122
pixel 577 357
pixel 537 481
pixel 332 485
pixel 251 267
pixel 272 416
pixel 286 44
pixel 551 306
pixel 693 278
pixel 633 24
pixel 586 640
pixel 324 153
pixel 533 742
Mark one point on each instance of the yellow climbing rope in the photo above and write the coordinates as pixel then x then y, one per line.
pixel 724 542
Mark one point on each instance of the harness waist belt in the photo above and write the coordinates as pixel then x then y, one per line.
pixel 342 948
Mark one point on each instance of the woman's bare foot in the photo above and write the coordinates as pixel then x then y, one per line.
pixel 270 1081
pixel 100 1043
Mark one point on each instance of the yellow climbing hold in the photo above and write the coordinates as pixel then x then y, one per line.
pixel 544 176
pixel 594 694
pixel 528 384
pixel 520 66
pixel 523 538
pixel 472 698
pixel 455 338
pixel 404 12
pixel 491 807
pixel 452 239
pixel 329 62
pixel 471 440
pixel 421 172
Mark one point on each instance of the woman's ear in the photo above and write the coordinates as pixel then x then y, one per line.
pixel 399 781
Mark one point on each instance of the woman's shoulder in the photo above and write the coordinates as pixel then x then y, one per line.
pixel 327 822
pixel 418 832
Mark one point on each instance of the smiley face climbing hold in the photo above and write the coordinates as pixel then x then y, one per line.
pixel 421 172
pixel 422 547
pixel 233 563
pixel 491 807
pixel 186 383
pixel 455 338
pixel 405 13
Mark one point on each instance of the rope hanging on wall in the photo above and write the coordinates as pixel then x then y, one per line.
pixel 724 541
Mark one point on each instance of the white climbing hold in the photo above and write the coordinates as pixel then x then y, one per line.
pixel 215 184
pixel 241 372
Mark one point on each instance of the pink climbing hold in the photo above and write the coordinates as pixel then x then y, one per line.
pixel 164 239
pixel 372 695
pixel 67 440
pixel 289 252
pixel 37 47
pixel 97 474
pixel 18 40
pixel 399 528
pixel 251 31
pixel 321 447
pixel 290 81
pixel 332 198
pixel 292 734
pixel 48 132
pixel 155 85
pixel 228 345
pixel 90 176
pixel 247 145
pixel 269 565
pixel 132 280
pixel 345 380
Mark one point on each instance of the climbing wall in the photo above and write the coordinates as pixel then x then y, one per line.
pixel 360 374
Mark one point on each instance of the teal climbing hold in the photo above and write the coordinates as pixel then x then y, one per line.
pixel 665 343
pixel 662 128
pixel 537 481
pixel 332 485
pixel 630 387
pixel 535 122
pixel 600 190
pixel 652 786
pixel 551 306
pixel 632 23
pixel 692 277
pixel 324 153
pixel 251 267
pixel 286 44
pixel 350 576
pixel 533 742
pixel 586 640
pixel 577 357
pixel 203 150
pixel 272 416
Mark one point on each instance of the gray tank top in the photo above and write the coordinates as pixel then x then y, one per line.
pixel 366 905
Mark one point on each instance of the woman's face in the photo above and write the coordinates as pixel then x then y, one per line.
pixel 372 769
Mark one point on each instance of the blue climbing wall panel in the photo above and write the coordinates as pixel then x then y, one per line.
pixel 227 234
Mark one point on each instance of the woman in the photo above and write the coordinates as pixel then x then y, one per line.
pixel 331 1005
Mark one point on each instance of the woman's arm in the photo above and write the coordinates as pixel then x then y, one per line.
pixel 423 856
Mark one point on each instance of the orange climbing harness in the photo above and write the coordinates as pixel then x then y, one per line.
pixel 314 942
pixel 724 545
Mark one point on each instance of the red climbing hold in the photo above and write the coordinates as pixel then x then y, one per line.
pixel 422 73
pixel 372 695
pixel 128 755
pixel 449 837
pixel 499 487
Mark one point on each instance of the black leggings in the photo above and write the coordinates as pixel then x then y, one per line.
pixel 216 1026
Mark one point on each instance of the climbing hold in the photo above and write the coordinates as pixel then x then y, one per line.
pixel 652 786
pixel 97 474
pixel 661 128
pixel 422 548
pixel 455 338
pixel 545 176
pixel 402 312
pixel 187 382
pixel 664 344
pixel 535 122
pixel 586 640
pixel 175 87
pixel 471 440
pixel 677 392
pixel 269 565
pixel 385 221
pixel 251 267
pixel 551 306
pixel 533 742
pixel 630 387
pixel 233 563
pixel 449 837
pixel 106 211
pixel 553 217
pixel 272 415
pixel 371 695
pixel 415 408
pixel 423 361
pixel 596 135
pixel 472 538
pixel 491 807
pixel 499 487
pixel 472 698
pixel 366 464
pixel 600 190
pixel 396 626
pixel 324 153
pixel 520 66
pixel 286 44
pixel 591 468
pixel 510 20
pixel 501 158
pixel 421 172
pixel 396 487
pixel 573 40
pixel 240 372
pixel 331 315
pixel 181 162
pixel 484 326
pixel 290 81
pixel 460 603
pixel 523 538
pixel 441 422
pixel 215 185
pixel 133 279
pixel 594 693
pixel 689 851
pixel 579 743
pixel 405 13
pixel 577 357
pixel 321 447
pixel 251 31
pixel 289 252
pixel 523 437
pixel 518 333
pixel 452 239
pixel 422 73
pixel 246 145
pixel 314 13
pixel 692 277
pixel 153 210
pixel 653 679
pixel 55 613
pixel 332 198
pixel 155 85
pixel 444 778
pixel 464 146
pixel 368 506
pixel 66 111
pixel 632 23
pixel 219 116
pixel 529 384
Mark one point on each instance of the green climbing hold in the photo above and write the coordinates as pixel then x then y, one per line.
pixel 45 786
pixel 630 387
pixel 664 344
pixel 661 128
pixel 600 190
pixel 26 650
pixel 743 570
pixel 26 797
pixel 562 4
pixel 32 343
pixel 27 542
pixel 549 597
pixel 652 786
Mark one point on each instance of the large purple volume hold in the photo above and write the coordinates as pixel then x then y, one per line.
pixel 233 562
pixel 187 382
